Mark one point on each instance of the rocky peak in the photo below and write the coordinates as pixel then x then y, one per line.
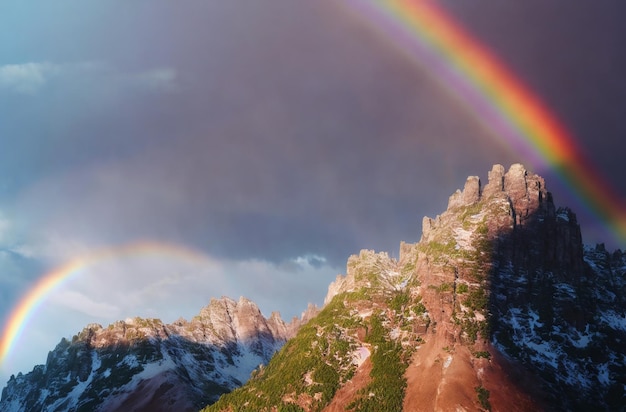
pixel 523 272
pixel 495 182
pixel 297 322
pixel 523 191
pixel 471 193
pixel 367 269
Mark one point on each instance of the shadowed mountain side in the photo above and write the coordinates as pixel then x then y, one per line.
pixel 145 365
pixel 519 274
pixel 498 307
pixel 557 307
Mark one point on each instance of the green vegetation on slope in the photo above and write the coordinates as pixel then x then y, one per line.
pixel 307 371
pixel 483 397
pixel 386 390
pixel 311 367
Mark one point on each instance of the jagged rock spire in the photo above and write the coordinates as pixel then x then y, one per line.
pixel 524 191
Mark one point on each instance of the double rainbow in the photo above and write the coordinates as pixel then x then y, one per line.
pixel 467 69
pixel 28 305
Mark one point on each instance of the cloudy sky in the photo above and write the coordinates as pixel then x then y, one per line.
pixel 273 138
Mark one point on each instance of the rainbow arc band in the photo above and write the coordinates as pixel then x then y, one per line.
pixel 28 304
pixel 430 37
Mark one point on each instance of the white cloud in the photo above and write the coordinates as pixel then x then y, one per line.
pixel 30 78
pixel 170 285
pixel 26 78
pixel 23 250
pixel 311 260
pixel 160 79
pixel 81 303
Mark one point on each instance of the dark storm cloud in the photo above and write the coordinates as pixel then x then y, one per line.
pixel 277 129
pixel 275 139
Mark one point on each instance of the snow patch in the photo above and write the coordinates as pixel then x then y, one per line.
pixel 544 353
pixel 614 320
pixel 534 321
pixel 73 397
pixel 365 314
pixel 479 316
pixel 131 361
pixel 394 333
pixel 43 395
pixel 563 215
pixel 243 365
pixel 463 238
pixel 566 289
pixel 582 340
pixel 603 373
pixel 360 355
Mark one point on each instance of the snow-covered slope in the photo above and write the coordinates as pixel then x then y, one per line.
pixel 145 365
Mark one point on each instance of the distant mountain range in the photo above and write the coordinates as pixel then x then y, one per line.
pixel 145 365
pixel 498 307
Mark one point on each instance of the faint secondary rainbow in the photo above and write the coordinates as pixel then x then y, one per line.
pixel 430 37
pixel 28 304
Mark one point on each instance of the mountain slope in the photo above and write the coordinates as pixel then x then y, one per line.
pixel 498 307
pixel 145 365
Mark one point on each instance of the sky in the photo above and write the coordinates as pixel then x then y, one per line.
pixel 273 139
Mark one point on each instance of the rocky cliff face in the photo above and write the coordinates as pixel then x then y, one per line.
pixel 522 282
pixel 145 365
pixel 498 307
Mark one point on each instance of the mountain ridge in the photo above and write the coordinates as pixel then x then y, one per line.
pixel 147 365
pixel 499 306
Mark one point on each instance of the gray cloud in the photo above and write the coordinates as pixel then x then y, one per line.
pixel 25 78
pixel 91 77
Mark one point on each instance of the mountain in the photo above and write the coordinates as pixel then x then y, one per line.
pixel 499 306
pixel 145 365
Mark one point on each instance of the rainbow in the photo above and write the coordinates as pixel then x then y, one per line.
pixel 28 304
pixel 467 69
